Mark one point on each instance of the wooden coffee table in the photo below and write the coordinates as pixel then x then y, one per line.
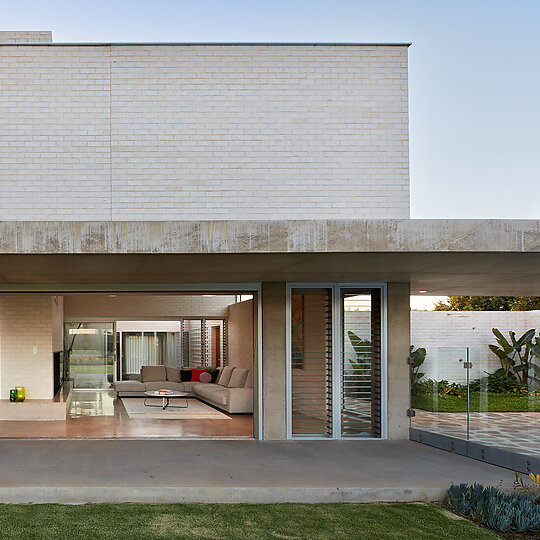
pixel 165 397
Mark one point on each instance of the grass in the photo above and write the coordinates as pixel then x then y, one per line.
pixel 494 403
pixel 91 369
pixel 234 521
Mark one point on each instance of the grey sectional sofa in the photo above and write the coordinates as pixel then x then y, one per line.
pixel 232 391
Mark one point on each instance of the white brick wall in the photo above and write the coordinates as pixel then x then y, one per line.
pixel 25 36
pixel 203 132
pixel 446 334
pixel 26 344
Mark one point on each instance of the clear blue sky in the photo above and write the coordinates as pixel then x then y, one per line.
pixel 474 76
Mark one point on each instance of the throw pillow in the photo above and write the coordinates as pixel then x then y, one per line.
pixel 196 373
pixel 185 375
pixel 214 372
pixel 205 377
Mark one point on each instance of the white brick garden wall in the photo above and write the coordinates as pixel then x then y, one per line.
pixel 446 334
pixel 169 132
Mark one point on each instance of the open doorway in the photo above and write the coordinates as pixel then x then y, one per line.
pixel 137 365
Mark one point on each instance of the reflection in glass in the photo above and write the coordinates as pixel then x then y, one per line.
pixel 89 354
pixel 361 363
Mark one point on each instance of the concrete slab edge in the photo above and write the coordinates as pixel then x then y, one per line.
pixel 107 494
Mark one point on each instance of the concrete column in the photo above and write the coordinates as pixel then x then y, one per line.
pixel 274 360
pixel 399 399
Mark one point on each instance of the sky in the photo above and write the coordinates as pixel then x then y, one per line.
pixel 474 76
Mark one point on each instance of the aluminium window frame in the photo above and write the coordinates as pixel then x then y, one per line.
pixel 337 343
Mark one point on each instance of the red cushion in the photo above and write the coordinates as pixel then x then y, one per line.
pixel 196 373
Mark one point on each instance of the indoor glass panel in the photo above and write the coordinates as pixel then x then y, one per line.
pixel 89 354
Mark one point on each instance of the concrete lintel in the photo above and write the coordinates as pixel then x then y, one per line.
pixel 309 236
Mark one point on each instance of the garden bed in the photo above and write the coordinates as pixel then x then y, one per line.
pixel 495 402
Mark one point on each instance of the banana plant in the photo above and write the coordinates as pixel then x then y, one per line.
pixel 514 355
pixel 535 352
pixel 362 348
pixel 418 356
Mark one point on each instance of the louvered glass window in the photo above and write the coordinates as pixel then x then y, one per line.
pixel 361 362
pixel 311 362
pixel 214 343
pixel 192 350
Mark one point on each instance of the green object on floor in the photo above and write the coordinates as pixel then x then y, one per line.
pixel 236 521
pixel 20 393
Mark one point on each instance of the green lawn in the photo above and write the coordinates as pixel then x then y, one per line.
pixel 257 522
pixel 91 369
pixel 495 403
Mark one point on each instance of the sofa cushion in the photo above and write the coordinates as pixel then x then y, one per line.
pixel 173 374
pixel 189 386
pixel 167 385
pixel 214 393
pixel 225 376
pixel 185 375
pixel 129 386
pixel 249 380
pixel 238 378
pixel 153 373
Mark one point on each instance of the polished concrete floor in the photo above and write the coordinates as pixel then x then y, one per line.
pixel 77 471
pixel 101 415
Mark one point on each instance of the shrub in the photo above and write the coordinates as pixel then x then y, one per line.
pixel 493 508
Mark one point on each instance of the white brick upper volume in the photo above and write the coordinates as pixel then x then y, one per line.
pixel 188 132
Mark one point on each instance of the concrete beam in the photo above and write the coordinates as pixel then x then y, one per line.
pixel 320 236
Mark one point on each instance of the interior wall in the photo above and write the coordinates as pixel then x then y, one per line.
pixel 126 306
pixel 26 344
pixel 240 335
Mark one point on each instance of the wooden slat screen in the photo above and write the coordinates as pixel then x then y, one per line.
pixel 311 358
pixel 361 362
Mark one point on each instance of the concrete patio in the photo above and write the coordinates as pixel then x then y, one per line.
pixel 94 471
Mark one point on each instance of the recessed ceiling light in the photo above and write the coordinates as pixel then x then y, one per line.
pixel 422 292
pixel 209 295
pixel 112 295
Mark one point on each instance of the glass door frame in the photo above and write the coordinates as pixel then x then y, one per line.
pixel 337 343
pixel 114 350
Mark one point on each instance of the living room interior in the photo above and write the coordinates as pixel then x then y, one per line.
pixel 140 365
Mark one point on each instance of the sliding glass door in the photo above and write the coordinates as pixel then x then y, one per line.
pixel 89 353
pixel 335 362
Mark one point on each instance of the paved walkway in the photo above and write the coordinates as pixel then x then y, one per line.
pixel 75 471
pixel 517 431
